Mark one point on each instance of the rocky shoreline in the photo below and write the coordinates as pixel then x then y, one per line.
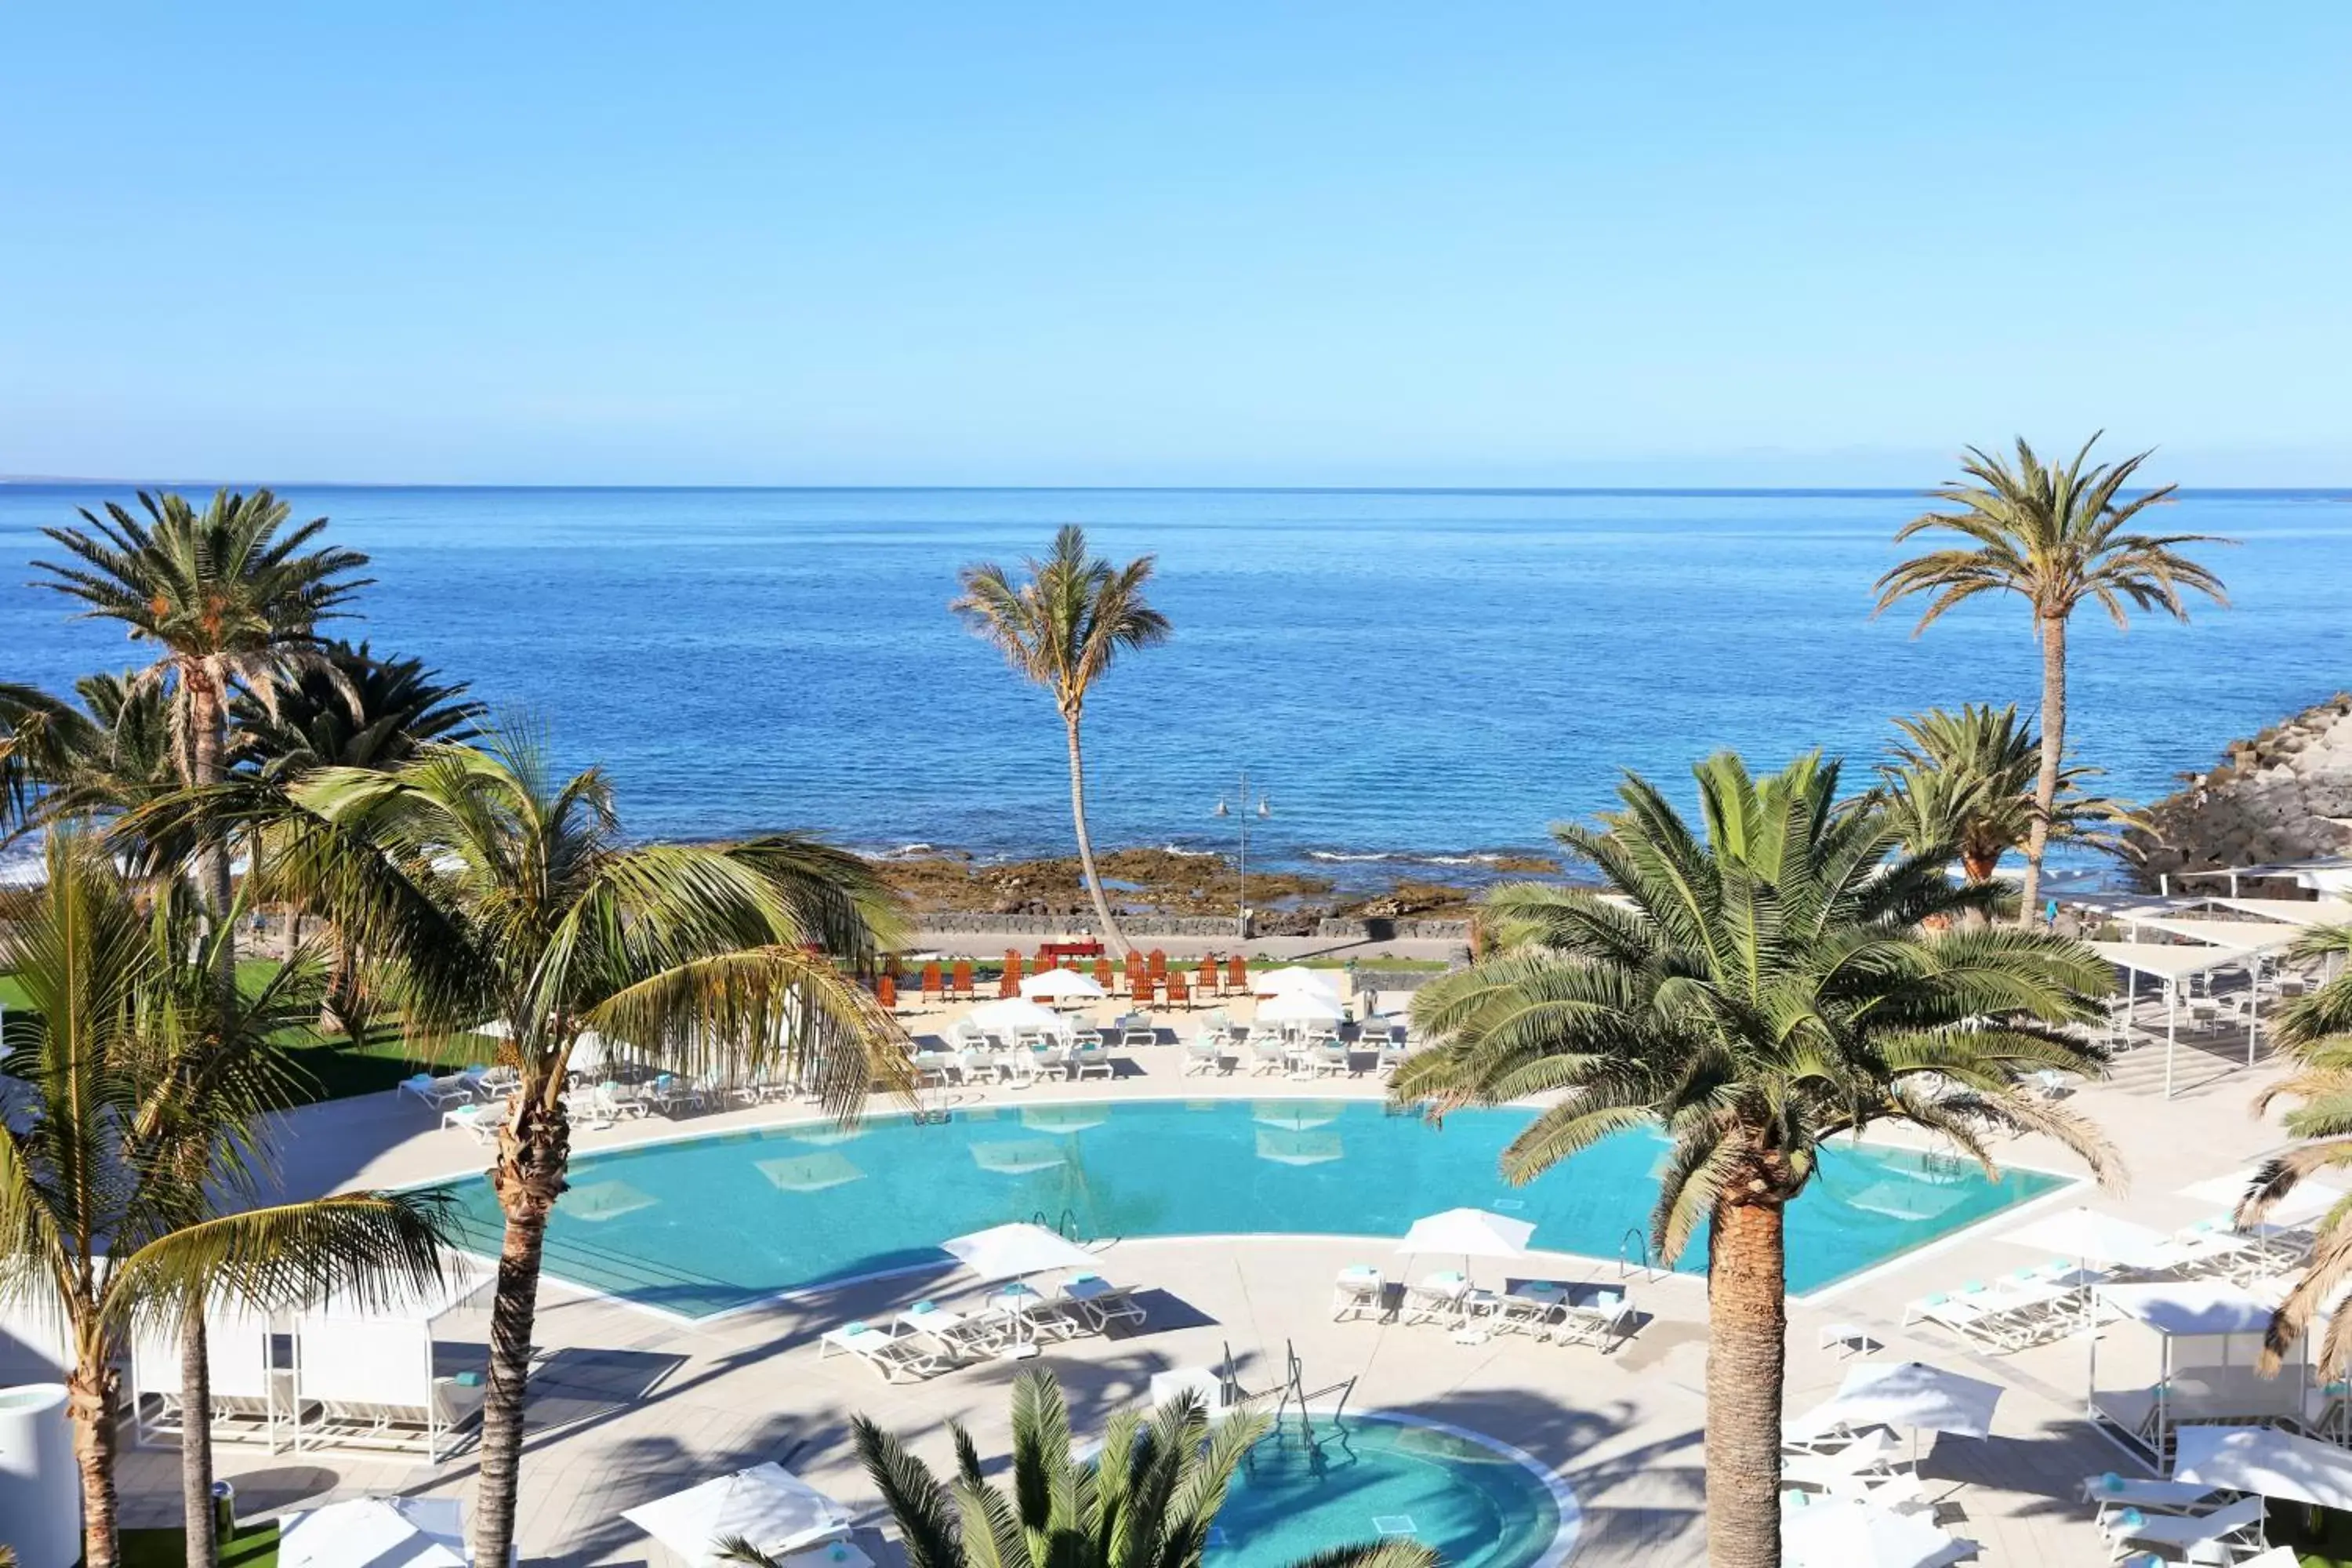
pixel 2283 794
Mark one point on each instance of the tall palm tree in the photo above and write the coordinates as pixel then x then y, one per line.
pixel 230 598
pixel 481 889
pixel 2053 534
pixel 353 710
pixel 1061 628
pixel 1766 987
pixel 1964 783
pixel 1146 1500
pixel 129 1148
pixel 29 720
pixel 2316 1030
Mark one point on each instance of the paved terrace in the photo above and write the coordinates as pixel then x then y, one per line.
pixel 628 1405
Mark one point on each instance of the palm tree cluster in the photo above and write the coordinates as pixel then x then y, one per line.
pixel 1964 783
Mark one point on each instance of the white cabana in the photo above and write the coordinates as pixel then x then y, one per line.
pixel 1010 1251
pixel 766 1505
pixel 1301 1007
pixel 2172 964
pixel 1838 1533
pixel 2089 1236
pixel 2192 1360
pixel 2265 1459
pixel 2289 911
pixel 1016 1013
pixel 1061 985
pixel 1471 1232
pixel 1913 1396
pixel 375 1532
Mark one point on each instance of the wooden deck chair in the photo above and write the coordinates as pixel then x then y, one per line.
pixel 1139 987
pixel 1179 994
pixel 1011 984
pixel 1159 963
pixel 1236 976
pixel 933 991
pixel 962 988
pixel 886 991
pixel 1042 963
pixel 1102 974
pixel 1207 984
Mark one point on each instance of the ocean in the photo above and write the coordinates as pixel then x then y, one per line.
pixel 1410 676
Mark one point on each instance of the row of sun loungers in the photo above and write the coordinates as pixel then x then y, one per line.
pixel 2149 1522
pixel 927 1339
pixel 1602 1316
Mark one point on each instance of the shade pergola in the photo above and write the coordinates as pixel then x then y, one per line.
pixel 2266 1460
pixel 2289 911
pixel 2172 962
pixel 2208 1338
pixel 2238 937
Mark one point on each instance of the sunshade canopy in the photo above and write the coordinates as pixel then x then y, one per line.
pixel 2086 1234
pixel 1301 1007
pixel 2237 936
pixel 1280 982
pixel 1059 983
pixel 767 1505
pixel 1841 1534
pixel 375 1532
pixel 1915 1397
pixel 2290 911
pixel 2190 1309
pixel 2166 961
pixel 1009 1251
pixel 1473 1233
pixel 1014 1013
pixel 2265 1459
pixel 2309 1200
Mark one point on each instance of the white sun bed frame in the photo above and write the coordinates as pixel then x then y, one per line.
pixel 251 1401
pixel 368 1384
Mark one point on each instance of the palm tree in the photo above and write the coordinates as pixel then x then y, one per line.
pixel 354 711
pixel 2316 1030
pixel 2054 535
pixel 480 889
pixel 230 598
pixel 1766 987
pixel 1146 1500
pixel 1964 783
pixel 1061 630
pixel 128 1142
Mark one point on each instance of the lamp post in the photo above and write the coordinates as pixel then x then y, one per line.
pixel 1243 804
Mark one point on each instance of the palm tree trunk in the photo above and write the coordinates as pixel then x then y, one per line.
pixel 91 1401
pixel 196 1442
pixel 1746 1354
pixel 2053 632
pixel 528 1178
pixel 209 730
pixel 1110 933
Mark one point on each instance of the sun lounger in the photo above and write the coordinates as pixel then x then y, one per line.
pixel 2218 1536
pixel 957 1334
pixel 370 1383
pixel 1090 1055
pixel 885 1352
pixel 1873 1454
pixel 1327 1058
pixel 938 1068
pixel 2113 1493
pixel 1361 1290
pixel 481 1121
pixel 1099 1301
pixel 1268 1054
pixel 1206 1051
pixel 437 1093
pixel 1437 1299
pixel 1603 1321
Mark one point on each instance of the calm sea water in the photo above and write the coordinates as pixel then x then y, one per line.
pixel 1416 673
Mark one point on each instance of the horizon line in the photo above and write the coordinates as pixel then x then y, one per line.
pixel 1876 491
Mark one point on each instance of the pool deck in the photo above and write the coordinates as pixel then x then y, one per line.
pixel 627 1405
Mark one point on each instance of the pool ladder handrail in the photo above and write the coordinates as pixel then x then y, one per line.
pixel 1639 1240
pixel 1294 1386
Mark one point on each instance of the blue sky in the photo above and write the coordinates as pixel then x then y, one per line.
pixel 1348 243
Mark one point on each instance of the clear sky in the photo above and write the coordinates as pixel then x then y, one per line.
pixel 1346 243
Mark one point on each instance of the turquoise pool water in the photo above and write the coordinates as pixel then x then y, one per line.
pixel 1358 1479
pixel 700 1225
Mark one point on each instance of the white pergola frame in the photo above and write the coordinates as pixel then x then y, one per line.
pixel 2172 962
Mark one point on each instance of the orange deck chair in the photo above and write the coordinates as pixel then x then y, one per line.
pixel 1139 987
pixel 1011 984
pixel 1103 976
pixel 1207 983
pixel 886 991
pixel 961 986
pixel 1236 976
pixel 932 989
pixel 1179 994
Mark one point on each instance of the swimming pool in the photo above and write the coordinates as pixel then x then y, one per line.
pixel 701 1226
pixel 1358 1478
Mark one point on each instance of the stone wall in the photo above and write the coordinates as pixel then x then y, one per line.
pixel 2284 794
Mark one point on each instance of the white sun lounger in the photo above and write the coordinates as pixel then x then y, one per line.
pixel 877 1347
pixel 1873 1454
pixel 957 1334
pixel 2113 1493
pixel 2215 1537
pixel 449 1089
pixel 1603 1322
pixel 370 1384
pixel 1206 1051
pixel 1361 1290
pixel 1101 1302
pixel 1436 1299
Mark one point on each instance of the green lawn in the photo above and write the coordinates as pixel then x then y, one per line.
pixel 253 1546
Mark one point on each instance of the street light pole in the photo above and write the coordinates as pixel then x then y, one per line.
pixel 1243 804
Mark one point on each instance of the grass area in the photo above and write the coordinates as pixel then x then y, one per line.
pixel 253 1546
